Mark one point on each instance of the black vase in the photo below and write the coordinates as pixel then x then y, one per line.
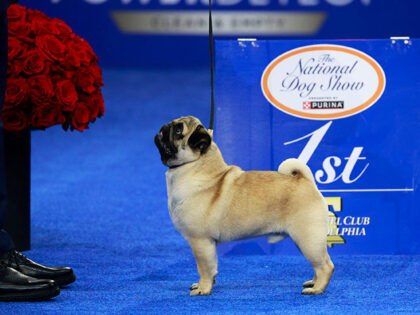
pixel 17 161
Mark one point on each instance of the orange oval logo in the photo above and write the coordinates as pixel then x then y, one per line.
pixel 323 82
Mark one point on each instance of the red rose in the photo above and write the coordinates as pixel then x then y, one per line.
pixel 83 51
pixel 15 68
pixel 97 74
pixel 67 74
pixel 101 105
pixel 71 61
pixel 16 13
pixel 21 30
pixel 80 117
pixel 88 49
pixel 83 55
pixel 18 64
pixel 14 48
pixel 10 69
pixel 51 47
pixel 34 63
pixel 16 91
pixel 42 27
pixel 17 24
pixel 95 103
pixel 14 120
pixel 41 89
pixel 93 106
pixel 67 95
pixel 46 116
pixel 36 15
pixel 57 72
pixel 61 29
pixel 85 82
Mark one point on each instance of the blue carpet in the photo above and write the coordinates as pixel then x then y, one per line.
pixel 99 205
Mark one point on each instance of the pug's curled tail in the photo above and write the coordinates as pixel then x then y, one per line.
pixel 294 167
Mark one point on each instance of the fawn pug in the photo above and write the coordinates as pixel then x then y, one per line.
pixel 211 202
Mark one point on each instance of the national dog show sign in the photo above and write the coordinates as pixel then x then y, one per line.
pixel 350 110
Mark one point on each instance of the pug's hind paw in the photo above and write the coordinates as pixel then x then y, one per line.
pixel 199 291
pixel 308 284
pixel 312 291
pixel 195 286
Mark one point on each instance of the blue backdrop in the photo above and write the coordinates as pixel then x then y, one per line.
pixel 130 40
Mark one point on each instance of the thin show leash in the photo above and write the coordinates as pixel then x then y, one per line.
pixel 211 68
pixel 211 77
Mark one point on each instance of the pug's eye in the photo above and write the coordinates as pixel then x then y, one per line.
pixel 178 129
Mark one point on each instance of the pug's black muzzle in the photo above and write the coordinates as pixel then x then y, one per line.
pixel 165 144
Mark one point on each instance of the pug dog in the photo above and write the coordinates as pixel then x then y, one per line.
pixel 211 203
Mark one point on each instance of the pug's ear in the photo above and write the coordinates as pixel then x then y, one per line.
pixel 200 139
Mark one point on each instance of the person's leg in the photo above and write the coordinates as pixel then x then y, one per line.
pixel 6 243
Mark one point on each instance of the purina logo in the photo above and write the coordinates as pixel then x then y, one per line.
pixel 315 82
pixel 323 105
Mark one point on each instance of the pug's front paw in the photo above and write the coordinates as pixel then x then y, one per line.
pixel 194 286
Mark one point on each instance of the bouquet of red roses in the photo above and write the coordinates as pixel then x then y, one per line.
pixel 53 75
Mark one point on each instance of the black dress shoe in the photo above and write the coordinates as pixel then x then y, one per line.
pixel 15 286
pixel 61 275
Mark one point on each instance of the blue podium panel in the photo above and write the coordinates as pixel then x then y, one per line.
pixel 350 110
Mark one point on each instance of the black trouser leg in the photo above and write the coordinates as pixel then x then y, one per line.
pixel 6 242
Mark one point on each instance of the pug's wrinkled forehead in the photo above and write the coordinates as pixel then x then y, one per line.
pixel 189 130
pixel 189 124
